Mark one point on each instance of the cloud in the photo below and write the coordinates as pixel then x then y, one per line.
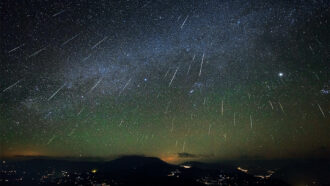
pixel 187 155
pixel 184 155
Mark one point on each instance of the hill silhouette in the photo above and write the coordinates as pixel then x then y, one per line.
pixel 126 170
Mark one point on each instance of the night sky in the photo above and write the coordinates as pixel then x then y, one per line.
pixel 178 80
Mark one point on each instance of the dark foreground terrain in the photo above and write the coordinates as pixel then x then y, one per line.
pixel 137 170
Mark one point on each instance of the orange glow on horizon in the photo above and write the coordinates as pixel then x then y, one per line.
pixel 23 153
pixel 170 158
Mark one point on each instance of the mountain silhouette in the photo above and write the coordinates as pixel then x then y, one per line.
pixel 126 170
